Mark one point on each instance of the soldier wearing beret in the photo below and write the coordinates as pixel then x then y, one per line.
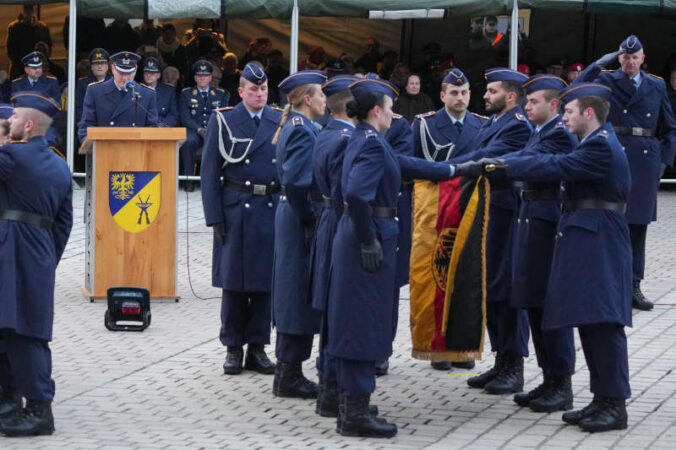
pixel 167 109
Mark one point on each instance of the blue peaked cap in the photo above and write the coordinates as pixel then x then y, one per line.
pixel 35 100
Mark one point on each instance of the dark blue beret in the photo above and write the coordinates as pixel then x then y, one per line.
pixel 252 72
pixel 152 65
pixel 125 62
pixel 543 81
pixel 291 82
pixel 575 91
pixel 33 59
pixel 98 55
pixel 338 84
pixel 35 100
pixel 202 67
pixel 504 74
pixel 631 45
pixel 6 110
pixel 363 86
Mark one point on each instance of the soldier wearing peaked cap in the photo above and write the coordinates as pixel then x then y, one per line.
pixel 98 63
pixel 644 122
pixel 34 80
pixel 195 105
pixel 590 282
pixel 240 192
pixel 167 108
pixel 35 222
pixel 508 130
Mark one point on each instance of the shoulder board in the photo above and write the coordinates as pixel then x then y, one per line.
pixel 167 84
pixel 425 115
pixel 277 109
pixel 17 79
pixel 607 70
pixel 82 78
pixel 397 116
pixel 371 134
pixel 57 151
pixel 185 89
pixel 297 121
pixel 479 116
pixel 18 141
pixel 521 117
pixel 220 89
pixel 95 82
pixel 50 77
pixel 146 86
pixel 227 108
pixel 655 76
pixel 603 133
pixel 560 124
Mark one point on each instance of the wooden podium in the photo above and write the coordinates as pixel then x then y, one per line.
pixel 130 209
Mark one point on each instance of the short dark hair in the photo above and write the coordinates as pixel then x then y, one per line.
pixel 514 86
pixel 550 94
pixel 360 108
pixel 600 106
pixel 337 102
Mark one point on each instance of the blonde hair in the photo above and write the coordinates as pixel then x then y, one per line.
pixel 296 98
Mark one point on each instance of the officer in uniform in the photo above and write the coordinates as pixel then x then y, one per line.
pixel 327 162
pixel 644 123
pixel 534 247
pixel 506 131
pixel 167 110
pixel 34 80
pixel 98 62
pixel 241 211
pixel 441 135
pixel 195 105
pixel 590 282
pixel 119 101
pixel 36 216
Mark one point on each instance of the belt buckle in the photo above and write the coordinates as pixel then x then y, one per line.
pixel 260 189
pixel 637 131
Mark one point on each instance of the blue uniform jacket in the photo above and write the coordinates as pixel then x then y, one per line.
pixel 32 179
pixel 194 110
pixel 46 84
pixel 292 311
pixel 590 279
pixel 167 108
pixel 244 262
pixel 536 225
pixel 327 162
pixel 80 91
pixel 107 106
pixel 442 134
pixel 645 107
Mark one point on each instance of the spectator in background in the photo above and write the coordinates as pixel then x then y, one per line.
pixel 370 61
pixel 230 76
pixel 50 67
pixel 172 52
pixel 216 77
pixel 257 50
pixel 121 36
pixel 315 59
pixel 349 63
pixel 399 76
pixel 91 34
pixel 276 70
pixel 22 35
pixel 204 42
pixel 412 101
pixel 389 60
pixel 555 67
pixel 524 69
pixel 172 77
pixel 167 106
pixel 148 32
pixel 574 70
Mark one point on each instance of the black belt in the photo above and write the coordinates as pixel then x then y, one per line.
pixel 26 217
pixel 380 212
pixel 251 188
pixel 635 131
pixel 592 203
pixel 328 201
pixel 529 195
pixel 315 196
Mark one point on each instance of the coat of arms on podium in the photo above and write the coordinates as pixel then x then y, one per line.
pixel 134 199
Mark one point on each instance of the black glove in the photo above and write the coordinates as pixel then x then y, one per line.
pixel 219 232
pixel 371 256
pixel 470 169
pixel 202 132
pixel 308 234
pixel 608 58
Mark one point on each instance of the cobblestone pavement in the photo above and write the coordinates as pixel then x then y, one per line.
pixel 164 388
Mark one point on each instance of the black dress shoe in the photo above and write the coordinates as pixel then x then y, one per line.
pixel 382 367
pixel 10 401
pixel 233 361
pixel 464 365
pixel 34 420
pixel 441 365
pixel 257 360
pixel 638 300
pixel 611 415
pixel 289 382
pixel 524 398
pixel 557 397
pixel 355 419
pixel 574 417
pixel 509 379
pixel 479 381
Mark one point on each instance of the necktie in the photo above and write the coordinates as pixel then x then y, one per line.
pixel 635 82
pixel 458 125
pixel 257 120
pixel 204 96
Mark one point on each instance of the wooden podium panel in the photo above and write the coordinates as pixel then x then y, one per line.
pixel 116 256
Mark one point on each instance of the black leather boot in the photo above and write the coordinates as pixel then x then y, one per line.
pixel 638 300
pixel 233 361
pixel 327 399
pixel 10 401
pixel 34 420
pixel 558 397
pixel 289 382
pixel 464 365
pixel 574 417
pixel 356 420
pixel 479 381
pixel 441 365
pixel 611 415
pixel 509 378
pixel 257 360
pixel 382 367
pixel 524 398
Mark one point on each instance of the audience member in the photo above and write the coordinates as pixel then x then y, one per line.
pixel 412 101
pixel 370 61
pixel 22 35
pixel 276 70
pixel 257 50
pixel 121 36
pixel 230 76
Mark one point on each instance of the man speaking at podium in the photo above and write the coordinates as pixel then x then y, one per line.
pixel 119 101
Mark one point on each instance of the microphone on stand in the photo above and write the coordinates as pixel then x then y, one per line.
pixel 131 85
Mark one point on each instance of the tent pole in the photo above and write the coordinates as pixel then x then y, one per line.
pixel 293 51
pixel 514 37
pixel 70 120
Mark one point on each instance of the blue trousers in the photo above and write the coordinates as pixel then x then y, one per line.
pixel 245 318
pixel 26 365
pixel 395 313
pixel 188 152
pixel 326 364
pixel 554 349
pixel 507 328
pixel 605 350
pixel 637 234
pixel 293 348
pixel 356 378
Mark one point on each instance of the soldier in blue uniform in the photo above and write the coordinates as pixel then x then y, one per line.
pixel 195 105
pixel 444 134
pixel 644 123
pixel 292 312
pixel 98 63
pixel 240 208
pixel 167 108
pixel 34 80
pixel 327 162
pixel 506 131
pixel 590 282
pixel 534 246
pixel 119 101
pixel 36 216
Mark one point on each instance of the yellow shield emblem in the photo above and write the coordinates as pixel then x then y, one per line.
pixel 134 199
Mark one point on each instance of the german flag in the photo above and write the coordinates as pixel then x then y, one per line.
pixel 448 269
